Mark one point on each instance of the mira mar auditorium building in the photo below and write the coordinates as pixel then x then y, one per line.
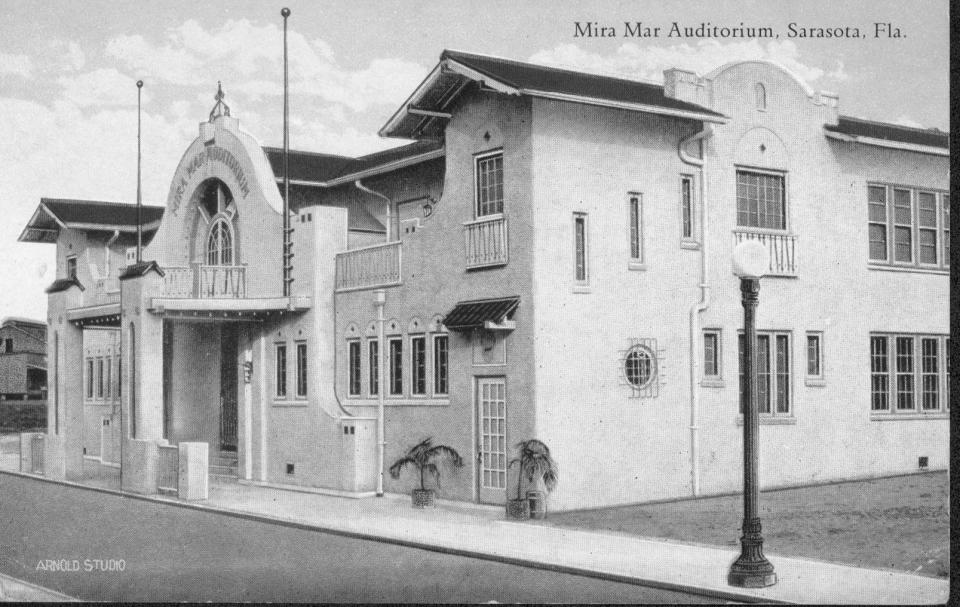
pixel 549 258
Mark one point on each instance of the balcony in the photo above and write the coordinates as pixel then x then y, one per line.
pixel 781 247
pixel 370 267
pixel 205 282
pixel 486 242
pixel 106 291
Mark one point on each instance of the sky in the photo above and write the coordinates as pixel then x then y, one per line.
pixel 68 99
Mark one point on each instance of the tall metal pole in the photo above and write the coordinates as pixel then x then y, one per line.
pixel 285 12
pixel 139 203
pixel 751 569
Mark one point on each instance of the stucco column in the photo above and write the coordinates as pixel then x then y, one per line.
pixel 63 448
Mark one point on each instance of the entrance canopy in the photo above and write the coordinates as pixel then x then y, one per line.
pixel 491 314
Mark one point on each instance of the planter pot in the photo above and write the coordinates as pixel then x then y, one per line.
pixel 518 509
pixel 538 504
pixel 422 498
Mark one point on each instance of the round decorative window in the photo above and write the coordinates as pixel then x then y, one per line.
pixel 640 366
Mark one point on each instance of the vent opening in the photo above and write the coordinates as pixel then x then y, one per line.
pixel 922 461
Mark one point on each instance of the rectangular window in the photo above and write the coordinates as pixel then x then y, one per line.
pixel 353 363
pixel 877 202
pixel 773 373
pixel 440 364
pixel 917 222
pixel 902 225
pixel 904 373
pixel 72 266
pixel 373 353
pixel 89 378
pixel 8 345
pixel 281 371
pixel 580 272
pixel 879 373
pixel 108 381
pixel 418 365
pixel 911 371
pixel 946 229
pixel 711 354
pixel 396 366
pixel 301 370
pixel 686 207
pixel 929 373
pixel 927 227
pixel 99 378
pixel 761 201
pixel 814 356
pixel 636 228
pixel 489 174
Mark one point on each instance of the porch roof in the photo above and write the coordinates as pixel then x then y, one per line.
pixel 54 214
pixel 228 308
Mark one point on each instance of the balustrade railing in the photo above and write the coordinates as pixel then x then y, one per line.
pixel 781 247
pixel 369 267
pixel 106 291
pixel 205 282
pixel 486 242
pixel 168 468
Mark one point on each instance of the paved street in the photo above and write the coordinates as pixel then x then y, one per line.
pixel 176 554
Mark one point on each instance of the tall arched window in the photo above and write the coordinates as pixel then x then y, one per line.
pixel 220 243
pixel 760 92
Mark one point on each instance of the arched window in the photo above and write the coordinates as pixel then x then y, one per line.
pixel 760 93
pixel 220 243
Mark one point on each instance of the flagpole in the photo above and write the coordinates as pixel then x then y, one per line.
pixel 139 204
pixel 285 12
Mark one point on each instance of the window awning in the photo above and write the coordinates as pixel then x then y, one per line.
pixel 491 314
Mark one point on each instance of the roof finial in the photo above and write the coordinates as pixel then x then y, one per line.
pixel 221 108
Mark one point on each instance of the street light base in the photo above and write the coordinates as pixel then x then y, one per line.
pixel 744 579
pixel 751 569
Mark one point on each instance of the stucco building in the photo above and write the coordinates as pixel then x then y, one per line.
pixel 549 258
pixel 23 359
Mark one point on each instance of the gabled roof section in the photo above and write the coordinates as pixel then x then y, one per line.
pixel 62 284
pixel 889 135
pixel 136 270
pixel 328 170
pixel 54 214
pixel 421 114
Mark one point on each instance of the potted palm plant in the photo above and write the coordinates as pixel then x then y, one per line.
pixel 540 472
pixel 424 458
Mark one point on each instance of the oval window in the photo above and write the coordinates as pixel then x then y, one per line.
pixel 639 366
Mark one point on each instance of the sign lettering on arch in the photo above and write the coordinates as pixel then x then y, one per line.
pixel 211 154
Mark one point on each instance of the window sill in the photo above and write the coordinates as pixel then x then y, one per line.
pixel 818 382
pixel 290 403
pixel 914 269
pixel 888 417
pixel 772 420
pixel 637 265
pixel 690 244
pixel 713 383
pixel 582 289
pixel 394 401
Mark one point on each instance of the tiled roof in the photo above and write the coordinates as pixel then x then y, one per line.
pixel 62 284
pixel 135 270
pixel 97 212
pixel 324 168
pixel 858 127
pixel 468 315
pixel 554 80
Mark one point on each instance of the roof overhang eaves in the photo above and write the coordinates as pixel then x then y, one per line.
pixel 376 170
pixel 625 105
pixel 887 143
pixel 415 96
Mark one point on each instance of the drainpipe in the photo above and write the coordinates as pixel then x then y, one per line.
pixel 364 188
pixel 380 299
pixel 698 307
pixel 106 252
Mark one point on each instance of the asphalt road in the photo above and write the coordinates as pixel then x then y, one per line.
pixel 177 554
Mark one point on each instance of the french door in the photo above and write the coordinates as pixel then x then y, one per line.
pixel 491 439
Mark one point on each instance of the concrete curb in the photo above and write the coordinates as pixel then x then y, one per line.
pixel 731 595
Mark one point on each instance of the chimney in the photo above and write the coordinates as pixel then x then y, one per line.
pixel 685 86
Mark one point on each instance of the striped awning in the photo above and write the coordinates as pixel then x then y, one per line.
pixel 469 315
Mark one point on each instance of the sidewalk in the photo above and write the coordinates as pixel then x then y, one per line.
pixel 482 532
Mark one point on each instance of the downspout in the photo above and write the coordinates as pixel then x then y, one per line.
pixel 364 188
pixel 381 298
pixel 106 252
pixel 698 307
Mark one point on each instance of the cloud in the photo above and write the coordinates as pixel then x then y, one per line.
pixel 631 60
pixel 905 120
pixel 19 65
pixel 102 87
pixel 69 54
pixel 248 58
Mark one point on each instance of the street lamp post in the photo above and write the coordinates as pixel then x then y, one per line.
pixel 751 569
